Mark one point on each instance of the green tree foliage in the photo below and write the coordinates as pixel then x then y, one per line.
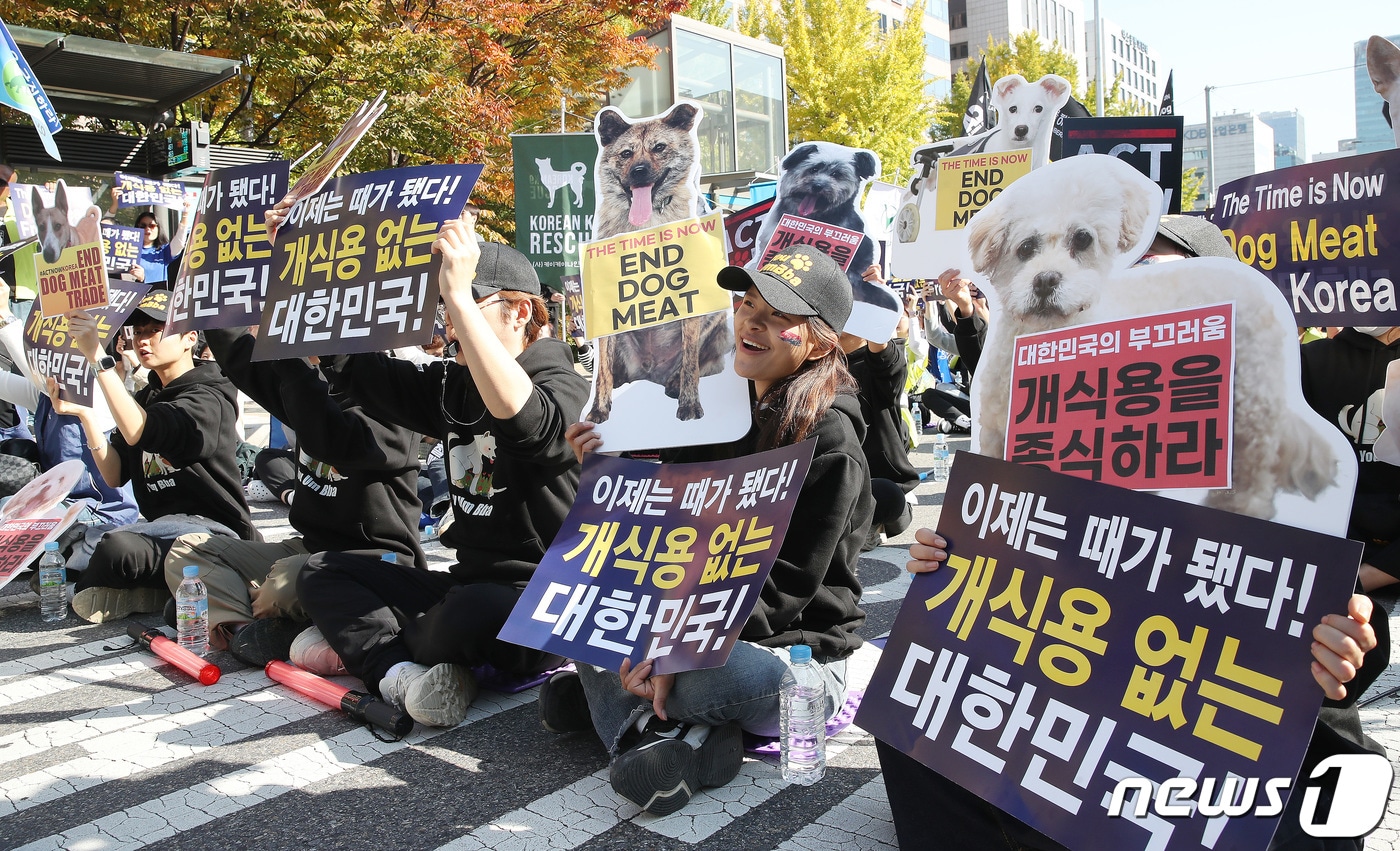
pixel 461 74
pixel 714 12
pixel 849 83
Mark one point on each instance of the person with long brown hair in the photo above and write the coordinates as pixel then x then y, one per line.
pixel 672 734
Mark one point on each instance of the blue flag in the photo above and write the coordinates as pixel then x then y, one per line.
pixel 22 91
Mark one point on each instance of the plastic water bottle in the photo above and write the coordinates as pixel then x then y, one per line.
pixel 427 533
pixel 940 458
pixel 802 710
pixel 192 612
pixel 53 584
pixel 917 413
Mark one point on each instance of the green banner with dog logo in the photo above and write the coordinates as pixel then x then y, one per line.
pixel 553 200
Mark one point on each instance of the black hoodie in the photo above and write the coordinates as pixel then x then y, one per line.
pixel 881 378
pixel 812 595
pixel 511 481
pixel 1344 381
pixel 357 477
pixel 184 462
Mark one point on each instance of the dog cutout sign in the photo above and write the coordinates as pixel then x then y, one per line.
pixel 1058 250
pixel 821 184
pixel 70 267
pixel 928 224
pixel 648 278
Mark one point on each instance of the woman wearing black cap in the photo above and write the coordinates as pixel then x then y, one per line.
pixel 785 326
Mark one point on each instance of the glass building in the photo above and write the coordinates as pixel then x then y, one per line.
pixel 738 80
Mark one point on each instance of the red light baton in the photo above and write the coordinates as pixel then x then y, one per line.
pixel 365 708
pixel 156 642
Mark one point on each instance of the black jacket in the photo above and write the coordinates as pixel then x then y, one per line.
pixel 184 462
pixel 511 481
pixel 357 477
pixel 1344 381
pixel 881 378
pixel 812 595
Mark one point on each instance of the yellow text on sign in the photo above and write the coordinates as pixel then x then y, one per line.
pixel 654 276
pixel 76 281
pixel 968 183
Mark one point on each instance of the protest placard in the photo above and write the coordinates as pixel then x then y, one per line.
pixel 650 277
pixel 573 306
pixel 1081 634
pixel 321 169
pixel 354 271
pixel 137 190
pixel 741 228
pixel 660 561
pixel 968 183
pixel 121 247
pixel 1152 144
pixel 1324 233
pixel 52 351
pixel 838 243
pixel 228 259
pixel 554 200
pixel 822 183
pixel 69 270
pixel 1142 403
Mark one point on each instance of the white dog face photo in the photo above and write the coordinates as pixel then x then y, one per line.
pixel 1057 250
pixel 1025 120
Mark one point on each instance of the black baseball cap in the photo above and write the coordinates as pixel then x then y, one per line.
pixel 154 304
pixel 503 268
pixel 1195 236
pixel 798 281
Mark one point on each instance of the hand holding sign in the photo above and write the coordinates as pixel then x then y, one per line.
pixel 1341 643
pixel 86 335
pixel 457 244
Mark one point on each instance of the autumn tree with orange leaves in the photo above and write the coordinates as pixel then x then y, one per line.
pixel 462 75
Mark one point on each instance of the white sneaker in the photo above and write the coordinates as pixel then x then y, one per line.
pixel 311 651
pixel 256 491
pixel 434 697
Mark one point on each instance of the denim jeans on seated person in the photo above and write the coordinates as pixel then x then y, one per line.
pixel 745 689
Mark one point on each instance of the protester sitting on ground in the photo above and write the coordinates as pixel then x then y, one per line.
pixel 175 443
pixel 501 407
pixel 879 370
pixel 1350 650
pixel 949 407
pixel 59 438
pixel 1344 381
pixel 689 734
pixel 352 486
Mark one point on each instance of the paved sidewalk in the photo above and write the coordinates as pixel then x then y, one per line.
pixel 106 747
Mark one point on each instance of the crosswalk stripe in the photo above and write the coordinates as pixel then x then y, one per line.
pixel 184 809
pixel 109 719
pixel 44 685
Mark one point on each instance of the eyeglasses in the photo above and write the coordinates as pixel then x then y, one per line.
pixel 493 301
pixel 150 225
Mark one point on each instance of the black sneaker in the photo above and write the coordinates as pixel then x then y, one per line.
pixel 665 768
pixel 263 640
pixel 563 705
pixel 169 616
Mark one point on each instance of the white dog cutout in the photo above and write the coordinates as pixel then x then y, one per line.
pixel 1383 64
pixel 1057 247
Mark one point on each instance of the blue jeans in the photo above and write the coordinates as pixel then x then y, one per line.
pixel 745 689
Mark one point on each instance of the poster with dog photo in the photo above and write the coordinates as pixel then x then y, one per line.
pixel 70 272
pixel 1058 250
pixel 1025 122
pixel 821 184
pixel 671 384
